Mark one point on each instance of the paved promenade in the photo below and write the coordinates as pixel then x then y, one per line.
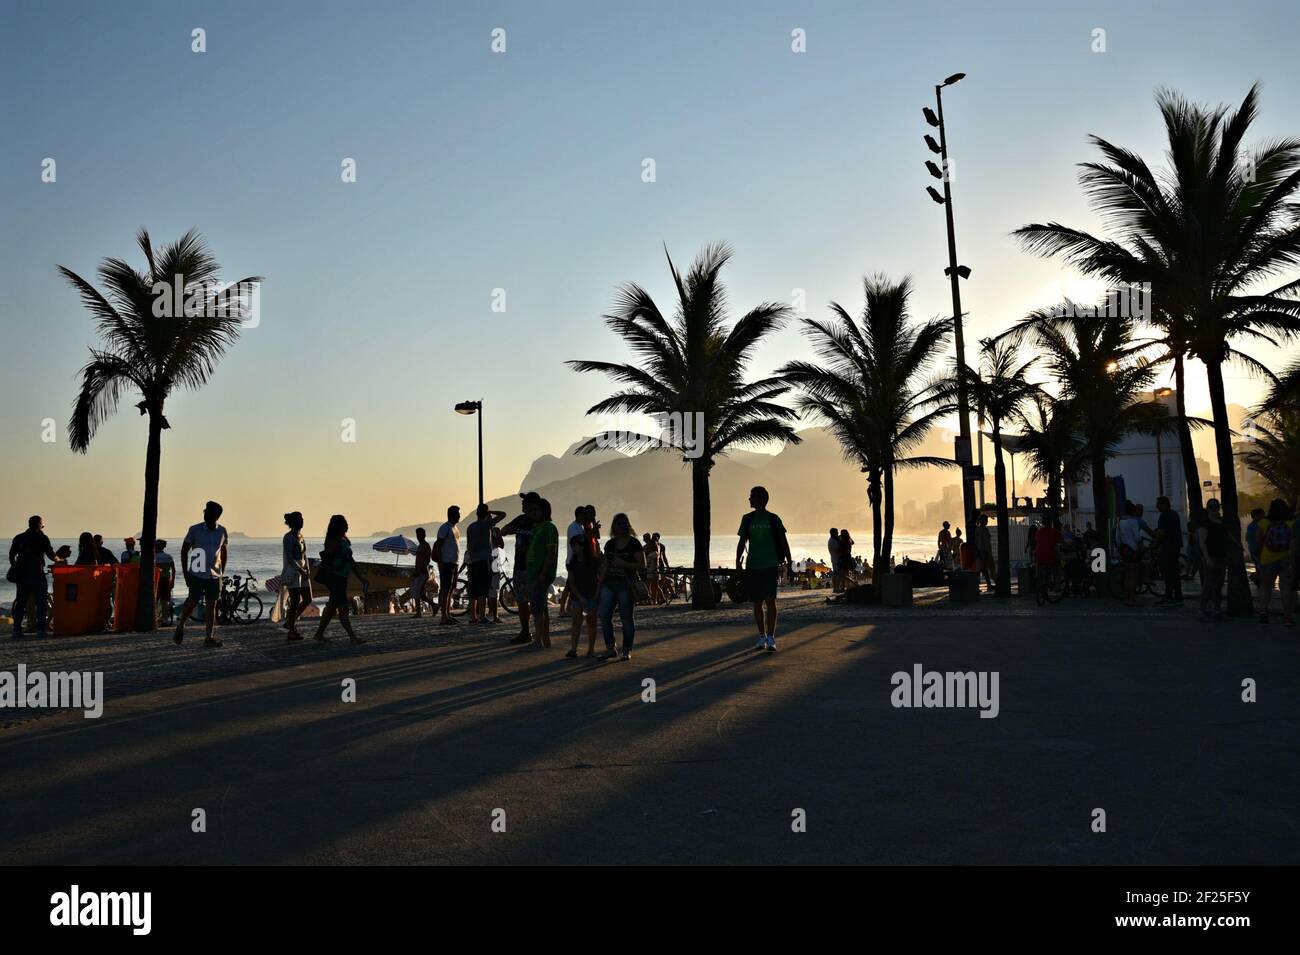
pixel 1138 713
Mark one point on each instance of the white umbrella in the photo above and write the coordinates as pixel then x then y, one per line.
pixel 397 544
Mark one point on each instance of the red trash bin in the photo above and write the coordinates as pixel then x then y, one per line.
pixel 81 599
pixel 125 594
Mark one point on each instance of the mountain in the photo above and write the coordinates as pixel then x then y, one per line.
pixel 812 487
pixel 548 468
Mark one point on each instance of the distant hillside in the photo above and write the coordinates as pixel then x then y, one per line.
pixel 812 487
pixel 548 468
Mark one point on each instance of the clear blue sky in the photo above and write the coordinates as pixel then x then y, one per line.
pixel 522 171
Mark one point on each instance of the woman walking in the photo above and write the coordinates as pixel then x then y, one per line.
pixel 336 565
pixel 294 576
pixel 1276 553
pixel 624 558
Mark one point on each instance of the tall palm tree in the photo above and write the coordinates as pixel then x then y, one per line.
pixel 1205 234
pixel 1000 392
pixel 1052 443
pixel 1099 370
pixel 694 364
pixel 868 388
pixel 153 354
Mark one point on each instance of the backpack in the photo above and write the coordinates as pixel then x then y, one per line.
pixel 1278 537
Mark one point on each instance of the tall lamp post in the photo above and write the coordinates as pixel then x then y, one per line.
pixel 955 273
pixel 475 407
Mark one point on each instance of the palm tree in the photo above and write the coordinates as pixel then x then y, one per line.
pixel 1205 234
pixel 867 387
pixel 1050 439
pixel 999 392
pixel 693 365
pixel 1285 391
pixel 153 354
pixel 1099 371
pixel 1275 453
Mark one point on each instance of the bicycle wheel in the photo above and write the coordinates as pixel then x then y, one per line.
pixel 246 609
pixel 506 597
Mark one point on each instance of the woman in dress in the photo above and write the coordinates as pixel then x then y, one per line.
pixel 294 575
pixel 336 565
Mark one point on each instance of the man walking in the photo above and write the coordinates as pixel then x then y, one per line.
pixel 763 535
pixel 203 561
pixel 1212 539
pixel 28 553
pixel 420 579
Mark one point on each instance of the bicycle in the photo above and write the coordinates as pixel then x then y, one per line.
pixel 237 603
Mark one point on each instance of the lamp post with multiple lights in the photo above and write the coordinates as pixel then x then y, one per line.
pixel 475 407
pixel 955 273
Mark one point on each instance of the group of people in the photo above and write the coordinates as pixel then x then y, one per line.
pixel 839 547
pixel 29 551
pixel 976 554
pixel 602 576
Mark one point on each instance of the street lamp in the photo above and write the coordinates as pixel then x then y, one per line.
pixel 955 274
pixel 475 407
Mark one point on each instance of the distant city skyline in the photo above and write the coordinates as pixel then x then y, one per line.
pixel 517 177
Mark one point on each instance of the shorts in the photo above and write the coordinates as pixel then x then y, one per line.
pixel 494 585
pixel 760 582
pixel 418 583
pixel 446 579
pixel 538 591
pixel 204 589
pixel 480 571
pixel 580 604
pixel 1127 554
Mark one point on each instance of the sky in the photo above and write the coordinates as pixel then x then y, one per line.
pixel 522 170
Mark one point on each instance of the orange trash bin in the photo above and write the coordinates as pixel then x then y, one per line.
pixel 125 594
pixel 81 599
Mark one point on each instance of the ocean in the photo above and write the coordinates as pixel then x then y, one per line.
pixel 261 556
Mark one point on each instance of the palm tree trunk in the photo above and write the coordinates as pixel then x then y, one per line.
pixel 145 616
pixel 1239 601
pixel 887 549
pixel 1101 513
pixel 873 496
pixel 1191 473
pixel 701 522
pixel 1004 518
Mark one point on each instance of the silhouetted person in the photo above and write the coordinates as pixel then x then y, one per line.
pixel 295 577
pixel 543 558
pixel 446 553
pixel 624 558
pixel 522 528
pixel 420 578
pixel 763 535
pixel 478 554
pixel 203 562
pixel 336 566
pixel 27 554
pixel 103 553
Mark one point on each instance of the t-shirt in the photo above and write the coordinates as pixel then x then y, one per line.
pixel 1216 539
pixel 760 530
pixel 449 534
pixel 984 540
pixel 1252 539
pixel 545 535
pixel 29 550
pixel 1171 540
pixel 583 571
pixel 575 530
pixel 833 547
pixel 130 556
pixel 167 567
pixel 204 558
pixel 1045 542
pixel 1130 533
pixel 616 551
pixel 1274 541
pixel 478 544
pixel 423 554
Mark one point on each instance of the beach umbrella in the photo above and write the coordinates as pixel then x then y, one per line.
pixel 397 544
